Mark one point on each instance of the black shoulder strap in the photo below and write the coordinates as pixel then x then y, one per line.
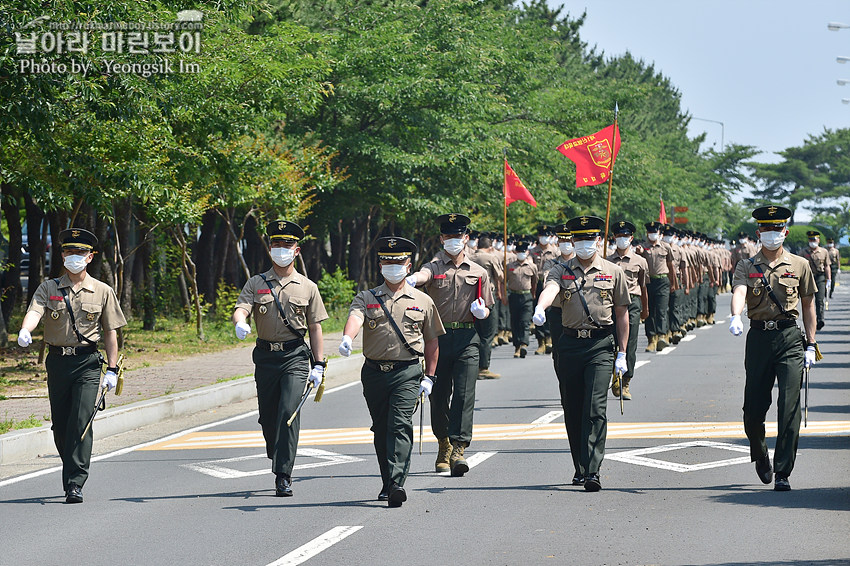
pixel 394 325
pixel 80 337
pixel 280 309
pixel 769 289
pixel 581 296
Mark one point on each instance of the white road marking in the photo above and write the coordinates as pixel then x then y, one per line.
pixel 315 546
pixel 641 363
pixel 214 469
pixel 473 460
pixel 666 350
pixel 638 456
pixel 688 338
pixel 548 417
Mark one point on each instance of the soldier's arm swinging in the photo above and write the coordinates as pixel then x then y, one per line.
pixel 110 341
pixel 739 297
pixel 239 315
pixel 622 314
pixel 809 317
pixel 432 354
pixel 31 320
pixel 317 344
pixel 550 291
pixel 352 326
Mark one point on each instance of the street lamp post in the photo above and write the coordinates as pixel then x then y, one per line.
pixel 722 129
pixel 842 59
pixel 835 26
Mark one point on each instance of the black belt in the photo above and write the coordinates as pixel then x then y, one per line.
pixel 589 332
pixel 388 365
pixel 773 324
pixel 72 350
pixel 279 346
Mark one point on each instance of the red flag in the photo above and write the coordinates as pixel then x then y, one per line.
pixel 514 189
pixel 592 155
pixel 662 216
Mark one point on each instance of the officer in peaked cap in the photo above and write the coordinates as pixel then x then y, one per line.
pixel 462 291
pixel 400 325
pixel 80 310
pixel 776 287
pixel 834 262
pixel 822 268
pixel 594 295
pixel 635 269
pixel 285 306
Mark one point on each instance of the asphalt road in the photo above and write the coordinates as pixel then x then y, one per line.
pixel 678 487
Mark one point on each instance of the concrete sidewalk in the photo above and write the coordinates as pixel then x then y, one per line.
pixel 172 389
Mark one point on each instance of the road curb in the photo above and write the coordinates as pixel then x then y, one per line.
pixel 21 445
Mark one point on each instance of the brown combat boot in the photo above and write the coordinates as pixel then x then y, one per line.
pixel 517 352
pixel 653 343
pixel 627 395
pixel 700 320
pixel 541 347
pixel 710 319
pixel 444 453
pixel 676 337
pixel 661 342
pixel 487 374
pixel 615 385
pixel 548 344
pixel 458 462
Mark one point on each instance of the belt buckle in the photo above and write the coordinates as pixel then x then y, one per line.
pixel 69 350
pixel 584 333
pixel 385 367
pixel 770 325
pixel 277 347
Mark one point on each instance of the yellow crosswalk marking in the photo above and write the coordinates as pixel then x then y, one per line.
pixel 500 432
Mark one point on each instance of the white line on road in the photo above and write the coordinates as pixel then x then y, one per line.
pixel 666 350
pixel 474 460
pixel 315 546
pixel 688 338
pixel 548 417
pixel 641 363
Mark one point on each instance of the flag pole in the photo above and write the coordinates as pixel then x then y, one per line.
pixel 505 225
pixel 610 177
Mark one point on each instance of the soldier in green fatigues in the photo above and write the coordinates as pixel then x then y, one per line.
pixel 661 281
pixel 487 328
pixel 594 296
pixel 462 292
pixel 81 310
pixel 834 262
pixel 522 289
pixel 285 305
pixel 392 375
pixel 776 287
pixel 821 265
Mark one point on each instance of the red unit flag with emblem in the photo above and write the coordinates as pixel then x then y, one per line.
pixel 593 155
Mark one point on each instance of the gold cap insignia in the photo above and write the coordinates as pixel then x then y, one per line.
pixel 772 210
pixel 280 225
pixel 391 243
pixel 452 217
pixel 583 220
pixel 622 224
pixel 75 233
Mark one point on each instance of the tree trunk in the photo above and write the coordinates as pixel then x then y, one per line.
pixel 58 221
pixel 35 245
pixel 11 281
pixel 184 297
pixel 191 273
pixel 203 255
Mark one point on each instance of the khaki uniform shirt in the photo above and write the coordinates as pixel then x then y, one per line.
pixel 95 308
pixel 834 258
pixel 413 311
pixel 635 268
pixel 684 261
pixel 742 251
pixel 656 257
pixel 493 264
pixel 818 259
pixel 299 297
pixel 544 256
pixel 454 288
pixel 791 278
pixel 604 286
pixel 676 254
pixel 521 275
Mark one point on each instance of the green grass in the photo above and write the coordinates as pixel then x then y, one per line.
pixel 234 378
pixel 12 424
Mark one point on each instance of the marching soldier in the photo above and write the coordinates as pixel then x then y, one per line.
pixel 553 315
pixel 545 250
pixel 594 297
pixel 522 289
pixel 285 305
pixel 501 307
pixel 462 292
pixel 636 269
pixel 401 324
pixel 661 273
pixel 675 309
pixel 487 258
pixel 776 287
pixel 835 263
pixel 821 267
pixel 80 311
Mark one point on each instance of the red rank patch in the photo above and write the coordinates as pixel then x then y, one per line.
pixel 755 275
pixel 264 291
pixel 440 276
pixel 55 298
pixel 373 306
pixel 568 277
pixel 512 269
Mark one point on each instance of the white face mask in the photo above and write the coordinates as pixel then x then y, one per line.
pixel 668 239
pixel 830 245
pixel 566 248
pixel 453 246
pixel 511 247
pixel 652 236
pixel 742 241
pixel 772 240
pixel 521 256
pixel 75 263
pixel 472 243
pixel 585 249
pixel 813 245
pixel 623 242
pixel 543 240
pixel 283 256
pixel 393 272
pixel 553 240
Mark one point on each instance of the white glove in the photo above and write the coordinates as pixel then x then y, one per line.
pixel 242 330
pixel 620 365
pixel 411 280
pixel 810 357
pixel 425 386
pixel 110 380
pixel 539 317
pixel 24 338
pixel 316 375
pixel 345 346
pixel 478 309
pixel 736 327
